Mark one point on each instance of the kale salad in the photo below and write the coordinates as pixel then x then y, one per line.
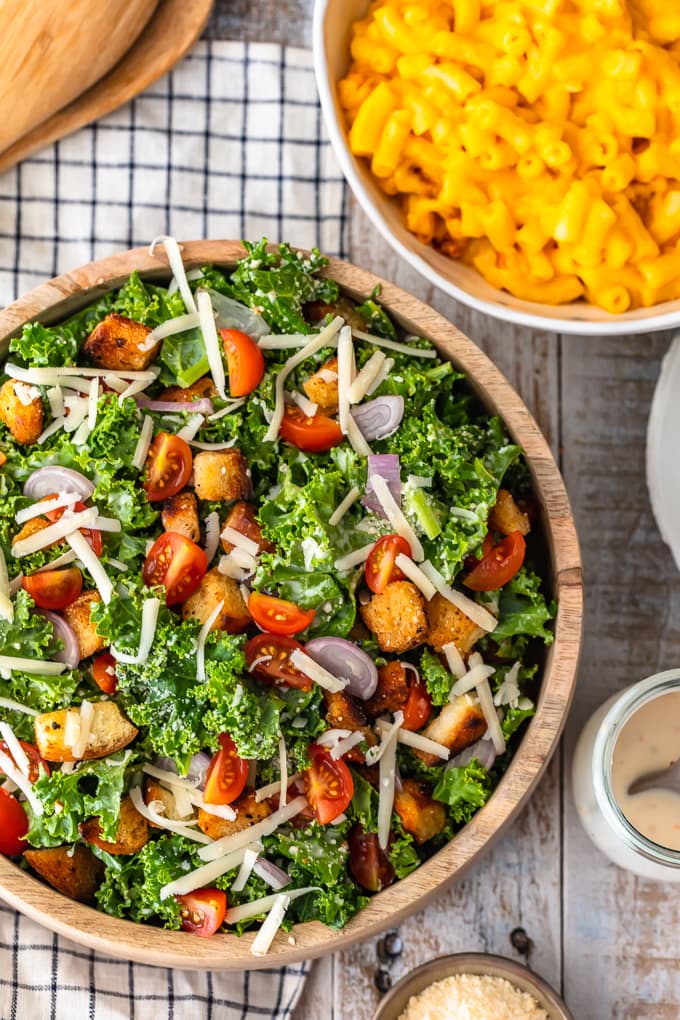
pixel 269 624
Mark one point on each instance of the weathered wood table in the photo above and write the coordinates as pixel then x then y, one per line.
pixel 609 940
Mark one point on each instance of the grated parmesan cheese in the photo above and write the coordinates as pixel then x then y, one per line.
pixel 172 250
pixel 150 611
pixel 366 377
pixel 478 614
pixel 396 517
pixel 192 427
pixel 202 876
pixel 201 640
pixel 53 532
pixel 240 541
pixel 307 665
pixel 90 561
pixel 236 840
pixel 393 345
pixel 307 406
pixel 212 535
pixel 270 926
pixel 211 341
pixel 342 508
pixel 353 559
pixel 385 370
pixel 473 997
pixel 415 574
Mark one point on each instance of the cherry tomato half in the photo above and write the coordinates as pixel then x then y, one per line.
pixel 369 864
pixel 314 435
pixel 268 658
pixel 418 707
pixel 380 566
pixel 93 538
pixel 54 589
pixel 245 362
pixel 498 566
pixel 202 911
pixel 471 560
pixel 13 825
pixel 35 762
pixel 278 616
pixel 168 466
pixel 226 775
pixel 329 787
pixel 104 672
pixel 177 563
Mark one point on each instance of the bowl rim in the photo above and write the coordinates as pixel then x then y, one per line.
pixel 109 935
pixel 488 964
pixel 522 312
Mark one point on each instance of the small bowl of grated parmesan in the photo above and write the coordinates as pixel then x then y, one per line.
pixel 472 986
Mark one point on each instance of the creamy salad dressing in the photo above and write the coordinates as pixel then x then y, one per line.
pixel 650 741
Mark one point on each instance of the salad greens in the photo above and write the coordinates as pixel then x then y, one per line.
pixel 452 460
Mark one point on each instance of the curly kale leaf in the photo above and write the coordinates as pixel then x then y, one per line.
pixel 464 790
pixel 523 610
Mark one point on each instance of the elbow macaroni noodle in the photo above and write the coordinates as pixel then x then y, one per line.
pixel 537 140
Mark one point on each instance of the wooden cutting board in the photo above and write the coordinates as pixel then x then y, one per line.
pixel 173 27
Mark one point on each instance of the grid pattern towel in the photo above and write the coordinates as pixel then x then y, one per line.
pixel 229 145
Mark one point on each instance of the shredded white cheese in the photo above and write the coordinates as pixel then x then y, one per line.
pixel 55 397
pixel 150 611
pixel 396 517
pixel 172 250
pixel 345 375
pixel 470 679
pixel 342 508
pixel 387 732
pixel 261 906
pixel 236 840
pixel 203 876
pixel 53 427
pixel 180 324
pixel 454 660
pixel 366 377
pixel 143 443
pixel 212 535
pixel 182 828
pixel 489 709
pixel 92 398
pixel 393 345
pixel 228 566
pixel 15 748
pixel 45 506
pixel 21 665
pixel 233 406
pixel 86 718
pixel 92 564
pixel 213 446
pixel 307 406
pixel 353 559
pixel 212 342
pixel 69 522
pixel 346 744
pixel 509 693
pixel 271 789
pixel 385 370
pixel 270 926
pixel 307 665
pixel 250 855
pixel 475 612
pixel 6 607
pixel 386 781
pixel 21 781
pixel 190 430
pixel 201 640
pixel 357 439
pixel 415 574
pixel 417 740
pixel 26 394
pixel 16 706
pixel 240 541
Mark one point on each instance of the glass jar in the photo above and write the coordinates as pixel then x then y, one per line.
pixel 598 809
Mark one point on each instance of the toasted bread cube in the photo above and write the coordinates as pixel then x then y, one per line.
pixel 248 813
pixel 213 589
pixel 344 712
pixel 242 518
pixel 448 623
pixel 221 475
pixel 397 617
pixel 32 527
pixel 458 725
pixel 507 517
pixel 204 387
pixel 180 514
pixel 322 391
pixel 154 791
pixel 420 815
pixel 119 343
pixel 72 870
pixel 315 311
pixel 21 410
pixel 392 691
pixel 77 615
pixel 132 833
pixel 110 732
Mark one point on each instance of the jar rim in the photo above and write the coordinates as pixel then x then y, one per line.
pixel 626 705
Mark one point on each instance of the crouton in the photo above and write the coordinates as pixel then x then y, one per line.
pixel 248 812
pixel 397 617
pixel 32 527
pixel 180 514
pixel 221 475
pixel 392 691
pixel 77 615
pixel 507 517
pixel 458 725
pixel 72 870
pixel 315 311
pixel 154 791
pixel 322 391
pixel 345 713
pixel 202 388
pixel 242 518
pixel 21 410
pixel 420 815
pixel 57 732
pixel 119 343
pixel 448 623
pixel 131 835
pixel 213 589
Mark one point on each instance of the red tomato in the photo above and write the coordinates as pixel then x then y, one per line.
pixel 202 911
pixel 418 707
pixel 226 775
pixel 34 760
pixel 471 560
pixel 329 787
pixel 104 672
pixel 168 466
pixel 278 616
pixel 271 653
pixel 380 566
pixel 244 362
pixel 177 563
pixel 498 566
pixel 368 863
pixel 314 435
pixel 13 825
pixel 54 589
pixel 94 538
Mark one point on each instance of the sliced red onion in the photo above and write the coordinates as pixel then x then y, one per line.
pixel 483 750
pixel 230 314
pixel 70 653
pixel 344 659
pixel 198 766
pixel 274 876
pixel 48 480
pixel 202 406
pixel 379 418
pixel 386 465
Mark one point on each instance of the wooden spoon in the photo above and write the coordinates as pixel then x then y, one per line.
pixel 663 779
pixel 53 50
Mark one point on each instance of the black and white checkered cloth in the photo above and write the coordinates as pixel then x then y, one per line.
pixel 229 145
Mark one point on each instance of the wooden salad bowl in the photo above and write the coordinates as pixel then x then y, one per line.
pixel 65 295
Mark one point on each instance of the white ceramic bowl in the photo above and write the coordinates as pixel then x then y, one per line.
pixel 332 30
